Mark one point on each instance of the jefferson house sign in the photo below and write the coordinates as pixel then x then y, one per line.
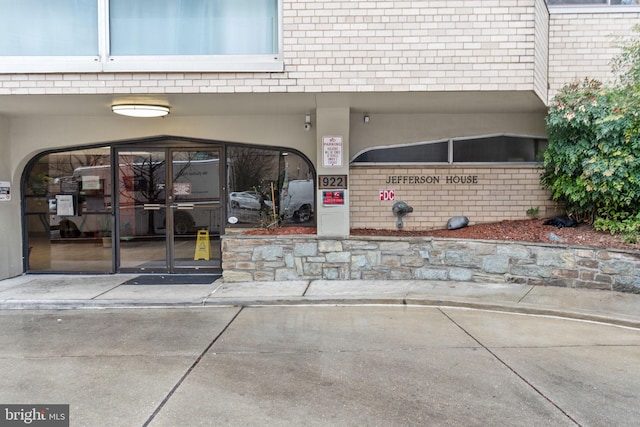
pixel 432 179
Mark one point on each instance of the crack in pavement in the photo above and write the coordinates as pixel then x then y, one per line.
pixel 505 364
pixel 190 370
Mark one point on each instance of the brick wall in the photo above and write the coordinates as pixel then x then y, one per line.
pixel 493 194
pixel 362 46
pixel 393 46
pixel 582 45
pixel 541 76
pixel 400 45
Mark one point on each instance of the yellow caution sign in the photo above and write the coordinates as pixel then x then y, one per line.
pixel 203 246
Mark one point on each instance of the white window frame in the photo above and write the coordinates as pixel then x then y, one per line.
pixel 576 9
pixel 606 4
pixel 593 8
pixel 104 62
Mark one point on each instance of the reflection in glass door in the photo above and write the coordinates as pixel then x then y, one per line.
pixel 195 210
pixel 142 210
pixel 169 210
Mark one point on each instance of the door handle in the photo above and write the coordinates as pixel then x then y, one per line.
pixel 151 206
pixel 184 206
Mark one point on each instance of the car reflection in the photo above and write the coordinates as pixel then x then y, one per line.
pixel 248 200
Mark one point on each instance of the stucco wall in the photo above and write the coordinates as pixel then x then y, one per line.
pixel 30 135
pixel 11 249
pixel 390 129
pixel 483 194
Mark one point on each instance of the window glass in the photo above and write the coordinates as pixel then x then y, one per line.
pixel 574 2
pixel 196 27
pixel 267 185
pixel 49 28
pixel 497 149
pixel 426 152
pixel 590 2
pixel 493 149
pixel 68 211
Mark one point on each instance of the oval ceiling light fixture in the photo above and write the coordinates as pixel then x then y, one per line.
pixel 140 110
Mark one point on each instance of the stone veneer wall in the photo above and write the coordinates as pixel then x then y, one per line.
pixel 279 258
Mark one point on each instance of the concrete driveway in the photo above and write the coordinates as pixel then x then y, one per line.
pixel 320 365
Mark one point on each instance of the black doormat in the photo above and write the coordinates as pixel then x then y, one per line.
pixel 173 279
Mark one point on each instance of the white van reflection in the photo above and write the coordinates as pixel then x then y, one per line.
pixel 90 188
pixel 297 200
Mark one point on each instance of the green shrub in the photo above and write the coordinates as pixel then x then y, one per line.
pixel 592 164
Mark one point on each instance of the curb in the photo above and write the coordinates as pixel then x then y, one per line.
pixel 320 301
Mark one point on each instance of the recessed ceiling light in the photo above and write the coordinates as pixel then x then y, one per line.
pixel 140 110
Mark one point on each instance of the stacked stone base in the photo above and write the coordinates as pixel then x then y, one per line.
pixel 279 258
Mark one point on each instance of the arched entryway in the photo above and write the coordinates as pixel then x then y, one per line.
pixel 156 205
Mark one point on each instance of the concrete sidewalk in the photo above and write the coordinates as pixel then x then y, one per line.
pixel 110 291
pixel 320 365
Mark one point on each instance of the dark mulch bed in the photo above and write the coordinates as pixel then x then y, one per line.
pixel 527 230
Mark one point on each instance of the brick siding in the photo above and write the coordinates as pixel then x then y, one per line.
pixel 497 193
pixel 364 46
pixel 582 45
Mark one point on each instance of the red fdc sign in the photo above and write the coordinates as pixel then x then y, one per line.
pixel 333 197
pixel 387 195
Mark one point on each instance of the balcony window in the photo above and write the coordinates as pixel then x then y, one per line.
pixel 196 27
pixel 40 36
pixel 49 28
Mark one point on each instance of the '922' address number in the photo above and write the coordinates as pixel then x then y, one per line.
pixel 332 181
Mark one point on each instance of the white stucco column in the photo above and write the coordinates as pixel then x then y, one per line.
pixel 332 132
pixel 10 229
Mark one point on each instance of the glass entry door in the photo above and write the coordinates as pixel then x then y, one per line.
pixel 194 207
pixel 169 210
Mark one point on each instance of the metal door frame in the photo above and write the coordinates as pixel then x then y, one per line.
pixel 173 207
pixel 168 147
